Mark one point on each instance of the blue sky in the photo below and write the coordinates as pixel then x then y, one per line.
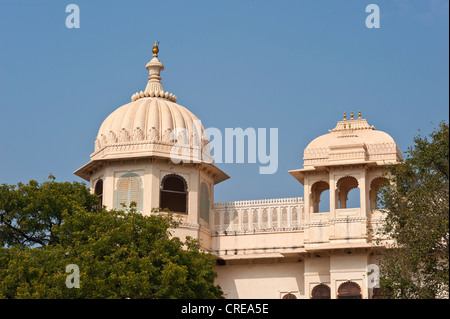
pixel 293 65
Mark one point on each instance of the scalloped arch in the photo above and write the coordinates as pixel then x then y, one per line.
pixel 347 177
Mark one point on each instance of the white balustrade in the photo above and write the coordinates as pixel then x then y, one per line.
pixel 249 216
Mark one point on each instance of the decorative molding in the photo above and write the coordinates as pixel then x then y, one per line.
pixel 255 231
pixel 164 148
pixel 340 271
pixel 315 273
pixel 255 250
pixel 347 220
pixel 352 125
pixel 190 225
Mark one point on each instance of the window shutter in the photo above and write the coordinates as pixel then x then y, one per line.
pixel 129 189
pixel 122 192
pixel 217 221
pixel 135 192
pixel 204 202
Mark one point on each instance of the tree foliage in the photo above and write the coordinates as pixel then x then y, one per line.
pixel 416 206
pixel 28 212
pixel 119 254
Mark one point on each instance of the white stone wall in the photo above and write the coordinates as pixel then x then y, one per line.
pixel 261 279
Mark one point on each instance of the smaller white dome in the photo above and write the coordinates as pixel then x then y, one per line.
pixel 352 140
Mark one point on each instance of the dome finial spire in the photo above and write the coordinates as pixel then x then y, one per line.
pixel 155 49
pixel 154 86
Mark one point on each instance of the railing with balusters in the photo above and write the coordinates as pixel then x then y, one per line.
pixel 279 214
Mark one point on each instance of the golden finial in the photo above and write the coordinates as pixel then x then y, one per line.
pixel 345 117
pixel 359 114
pixel 351 116
pixel 155 49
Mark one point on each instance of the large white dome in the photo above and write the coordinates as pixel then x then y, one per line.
pixel 148 126
pixel 151 124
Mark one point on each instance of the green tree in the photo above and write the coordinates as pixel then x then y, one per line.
pixel 119 255
pixel 416 206
pixel 28 212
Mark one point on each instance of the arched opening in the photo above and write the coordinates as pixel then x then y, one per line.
pixel 347 193
pixel 320 197
pixel 174 195
pixel 289 296
pixel 353 198
pixel 128 190
pixel 98 190
pixel 375 186
pixel 321 291
pixel 349 290
pixel 204 202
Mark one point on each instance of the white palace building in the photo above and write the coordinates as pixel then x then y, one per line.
pixel 270 248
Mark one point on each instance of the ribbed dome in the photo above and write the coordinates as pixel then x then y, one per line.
pixel 352 141
pixel 140 125
pixel 151 125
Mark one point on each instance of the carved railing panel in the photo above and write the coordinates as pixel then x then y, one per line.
pixel 280 214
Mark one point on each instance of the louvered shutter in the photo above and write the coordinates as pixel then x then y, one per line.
pixel 217 221
pixel 204 202
pixel 121 196
pixel 129 189
pixel 135 191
